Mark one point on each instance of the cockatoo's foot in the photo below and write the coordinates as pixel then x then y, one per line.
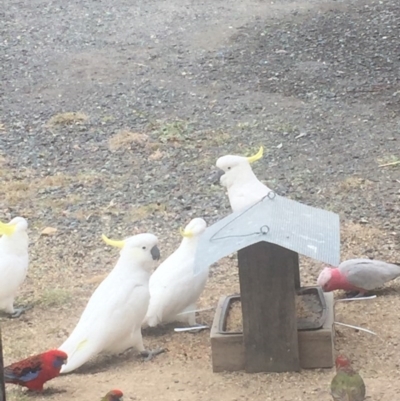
pixel 356 294
pixel 147 354
pixel 19 311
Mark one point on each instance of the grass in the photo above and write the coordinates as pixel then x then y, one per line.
pixel 54 297
pixel 125 139
pixel 353 182
pixel 17 395
pixel 157 155
pixel 284 127
pixel 60 203
pixel 107 119
pixel 3 160
pixel 175 131
pixel 214 137
pixel 219 138
pixel 68 118
pixel 171 132
pixel 248 125
pixel 25 186
pixel 142 212
pixel 390 160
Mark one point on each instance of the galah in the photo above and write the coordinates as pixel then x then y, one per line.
pixel 174 288
pixel 111 321
pixel 113 395
pixel 14 262
pixel 347 385
pixel 36 370
pixel 357 275
pixel 235 173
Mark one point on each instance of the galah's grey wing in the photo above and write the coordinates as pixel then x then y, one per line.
pixel 369 274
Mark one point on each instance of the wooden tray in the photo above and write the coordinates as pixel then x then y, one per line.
pixel 302 324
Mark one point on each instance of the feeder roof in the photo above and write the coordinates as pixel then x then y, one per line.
pixel 303 229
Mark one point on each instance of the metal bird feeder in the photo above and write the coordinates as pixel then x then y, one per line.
pixel 269 236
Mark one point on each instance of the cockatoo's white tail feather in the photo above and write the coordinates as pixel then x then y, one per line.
pixel 173 286
pixel 112 319
pixel 79 354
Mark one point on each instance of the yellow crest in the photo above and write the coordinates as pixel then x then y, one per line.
pixel 7 229
pixel 257 156
pixel 114 243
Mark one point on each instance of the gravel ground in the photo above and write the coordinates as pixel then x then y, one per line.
pixel 112 117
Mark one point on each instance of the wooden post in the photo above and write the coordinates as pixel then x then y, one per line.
pixel 268 275
pixel 2 385
pixel 296 267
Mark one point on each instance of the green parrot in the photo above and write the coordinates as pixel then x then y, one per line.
pixel 347 385
pixel 113 395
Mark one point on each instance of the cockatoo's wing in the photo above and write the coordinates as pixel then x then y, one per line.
pixel 173 287
pixel 243 196
pixel 109 318
pixel 85 342
pixel 13 270
pixel 368 274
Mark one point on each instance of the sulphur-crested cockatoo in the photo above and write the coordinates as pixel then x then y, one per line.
pixel 173 286
pixel 235 173
pixel 14 262
pixel 111 321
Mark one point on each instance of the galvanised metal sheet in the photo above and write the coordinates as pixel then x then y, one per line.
pixel 303 229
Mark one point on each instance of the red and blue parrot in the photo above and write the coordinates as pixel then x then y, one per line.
pixel 113 395
pixel 36 370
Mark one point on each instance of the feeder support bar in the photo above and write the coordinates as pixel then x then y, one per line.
pixel 269 276
pixel 2 385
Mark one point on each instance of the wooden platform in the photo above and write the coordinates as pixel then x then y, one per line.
pixel 316 347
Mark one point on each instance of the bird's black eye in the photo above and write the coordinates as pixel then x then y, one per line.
pixel 143 247
pixel 229 168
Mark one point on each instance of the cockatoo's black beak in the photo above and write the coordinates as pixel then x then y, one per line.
pixel 216 176
pixel 155 253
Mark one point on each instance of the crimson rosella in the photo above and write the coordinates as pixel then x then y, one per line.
pixel 113 395
pixel 36 370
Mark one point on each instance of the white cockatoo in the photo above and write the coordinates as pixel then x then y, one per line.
pixel 14 261
pixel 235 173
pixel 111 321
pixel 173 286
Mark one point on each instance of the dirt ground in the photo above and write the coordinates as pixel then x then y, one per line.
pixel 112 116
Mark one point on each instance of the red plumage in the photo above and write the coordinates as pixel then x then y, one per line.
pixel 36 370
pixel 113 395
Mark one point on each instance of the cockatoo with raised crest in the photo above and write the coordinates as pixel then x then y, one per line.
pixel 111 321
pixel 173 286
pixel 14 261
pixel 235 173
